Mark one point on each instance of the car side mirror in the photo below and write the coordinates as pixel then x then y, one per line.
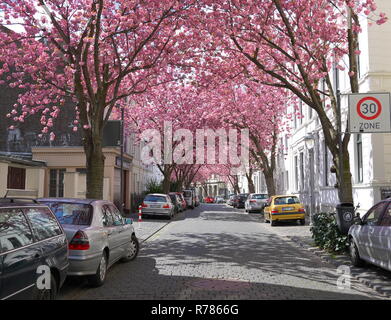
pixel 357 220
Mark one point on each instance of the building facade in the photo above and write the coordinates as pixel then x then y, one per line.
pixel 304 168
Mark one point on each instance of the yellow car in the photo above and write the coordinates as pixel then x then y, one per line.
pixel 283 208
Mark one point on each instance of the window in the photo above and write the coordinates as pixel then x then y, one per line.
pixel 287 179
pixel 16 178
pixel 359 158
pixel 296 173
pixel 326 164
pixel 117 218
pixel 153 198
pixel 302 170
pixel 14 230
pixel 108 220
pixel 72 213
pixel 373 215
pixel 43 222
pixel 286 200
pixel 301 112
pixel 309 112
pixel 56 183
pixel 386 220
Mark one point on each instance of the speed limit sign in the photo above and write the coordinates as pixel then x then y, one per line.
pixel 369 113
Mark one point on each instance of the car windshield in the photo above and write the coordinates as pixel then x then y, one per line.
pixel 286 200
pixel 259 196
pixel 79 214
pixel 153 198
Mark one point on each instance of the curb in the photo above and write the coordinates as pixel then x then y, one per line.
pixel 371 278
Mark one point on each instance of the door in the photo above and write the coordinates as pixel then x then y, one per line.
pixel 113 236
pixel 385 239
pixel 122 229
pixel 369 236
pixel 20 256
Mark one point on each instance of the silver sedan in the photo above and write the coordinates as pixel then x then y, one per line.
pixel 370 237
pixel 97 233
pixel 255 202
pixel 158 204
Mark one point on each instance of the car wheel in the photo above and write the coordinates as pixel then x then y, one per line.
pixel 48 294
pixel 273 223
pixel 354 255
pixel 132 250
pixel 99 277
pixel 302 222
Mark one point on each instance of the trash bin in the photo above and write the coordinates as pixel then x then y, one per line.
pixel 345 216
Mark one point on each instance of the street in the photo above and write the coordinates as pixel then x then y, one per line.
pixel 217 252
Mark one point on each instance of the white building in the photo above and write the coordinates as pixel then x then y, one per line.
pixel 305 168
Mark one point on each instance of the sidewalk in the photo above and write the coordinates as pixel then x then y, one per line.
pixel 372 276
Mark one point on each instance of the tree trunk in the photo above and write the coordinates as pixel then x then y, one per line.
pixel 95 162
pixel 251 187
pixel 345 189
pixel 269 178
pixel 166 184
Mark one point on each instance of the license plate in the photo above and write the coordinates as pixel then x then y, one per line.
pixel 287 209
pixel 155 206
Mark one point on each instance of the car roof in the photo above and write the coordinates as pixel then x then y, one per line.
pixel 285 195
pixel 21 204
pixel 157 194
pixel 69 200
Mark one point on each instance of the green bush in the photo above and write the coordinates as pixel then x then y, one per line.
pixel 153 186
pixel 326 234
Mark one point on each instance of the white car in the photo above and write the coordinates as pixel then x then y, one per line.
pixel 219 199
pixel 255 202
pixel 370 237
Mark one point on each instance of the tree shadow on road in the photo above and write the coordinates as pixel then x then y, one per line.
pixel 143 279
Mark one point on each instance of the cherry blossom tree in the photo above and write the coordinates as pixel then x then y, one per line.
pixel 291 44
pixel 95 53
pixel 262 110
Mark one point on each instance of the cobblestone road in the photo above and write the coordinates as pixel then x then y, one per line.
pixel 216 252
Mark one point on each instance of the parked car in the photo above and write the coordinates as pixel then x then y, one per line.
pixel 176 202
pixel 158 204
pixel 220 199
pixel 183 201
pixel 30 237
pixel 97 233
pixel 240 200
pixel 197 201
pixel 231 200
pixel 189 197
pixel 255 202
pixel 284 208
pixel 209 200
pixel 370 237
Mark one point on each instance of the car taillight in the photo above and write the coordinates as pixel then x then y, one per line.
pixel 274 211
pixel 253 201
pixel 301 210
pixel 143 205
pixel 79 241
pixel 166 206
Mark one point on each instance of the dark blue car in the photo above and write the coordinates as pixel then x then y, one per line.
pixel 33 248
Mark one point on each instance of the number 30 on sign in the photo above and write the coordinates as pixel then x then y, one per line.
pixel 369 113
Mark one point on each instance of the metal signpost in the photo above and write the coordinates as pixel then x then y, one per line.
pixel 369 113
